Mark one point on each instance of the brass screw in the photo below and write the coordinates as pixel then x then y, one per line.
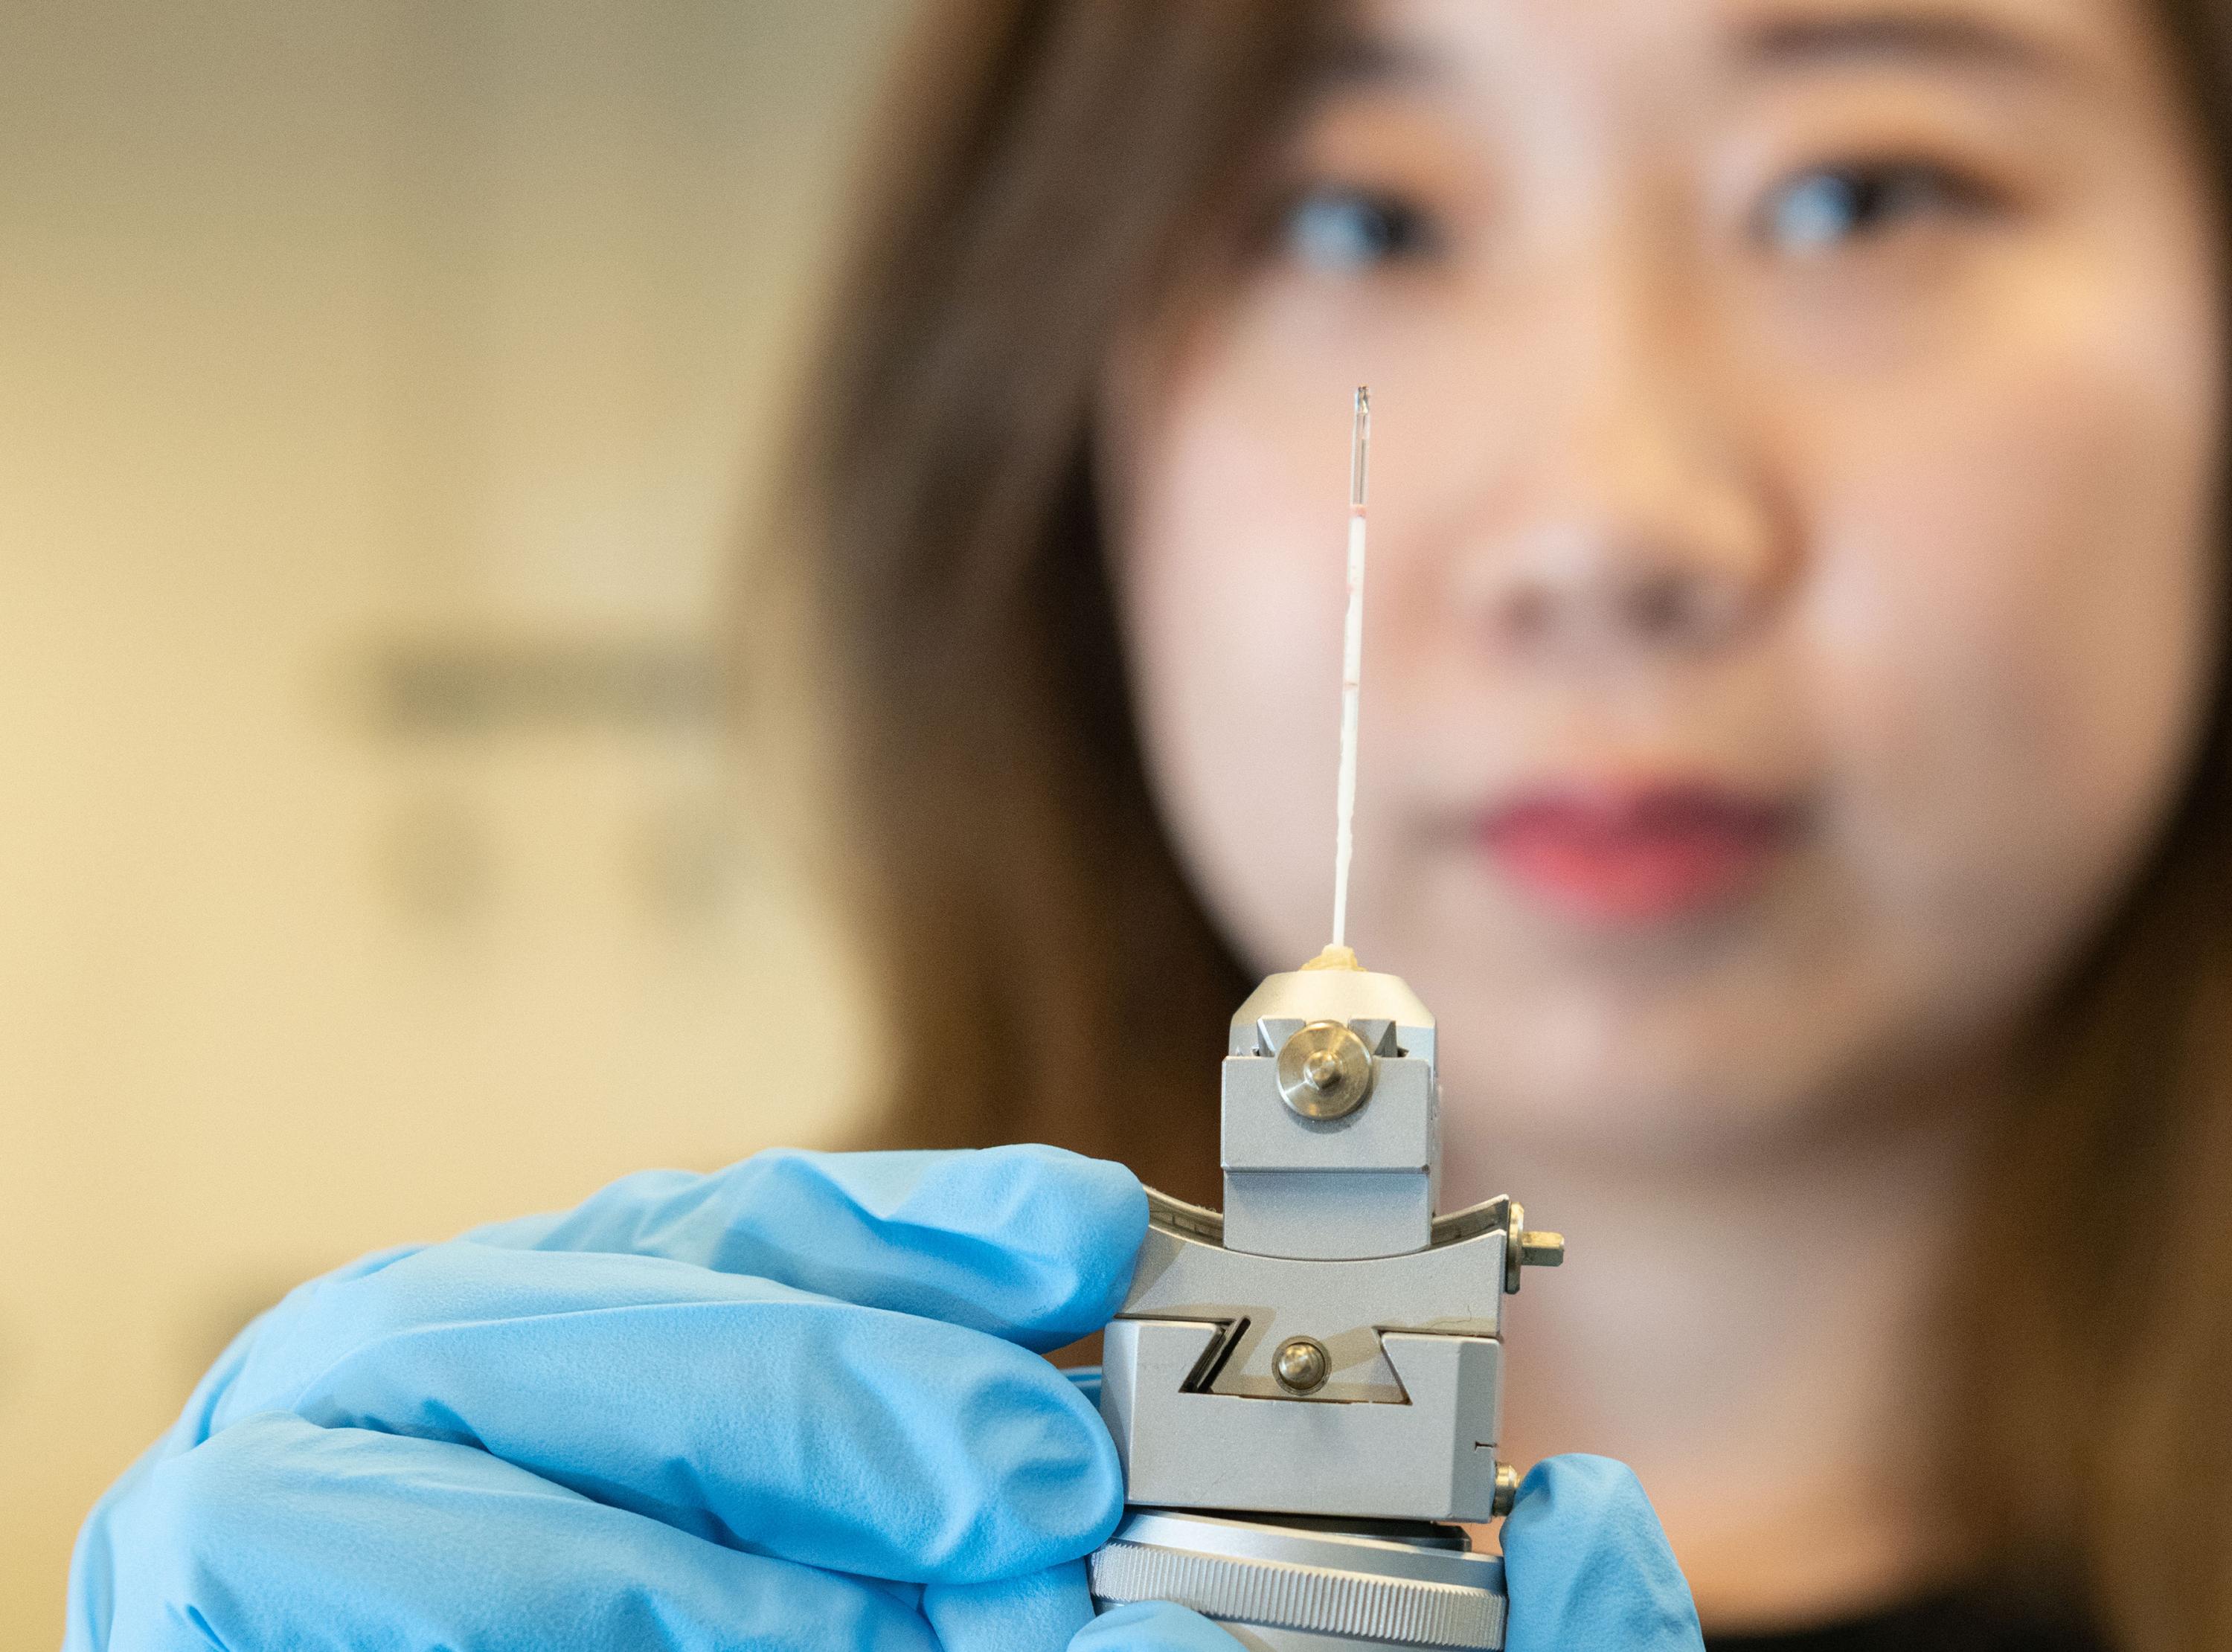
pixel 1302 1365
pixel 1324 1072
pixel 1540 1250
pixel 1507 1491
pixel 1523 1247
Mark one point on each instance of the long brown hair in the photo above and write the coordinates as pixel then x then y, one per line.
pixel 1047 972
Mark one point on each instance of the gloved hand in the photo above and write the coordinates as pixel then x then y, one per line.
pixel 1586 1565
pixel 788 1406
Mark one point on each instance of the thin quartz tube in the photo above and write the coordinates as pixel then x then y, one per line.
pixel 1352 666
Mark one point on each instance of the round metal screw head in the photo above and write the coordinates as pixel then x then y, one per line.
pixel 1302 1365
pixel 1525 1246
pixel 1507 1490
pixel 1324 1071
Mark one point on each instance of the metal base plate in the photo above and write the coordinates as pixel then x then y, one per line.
pixel 1308 1585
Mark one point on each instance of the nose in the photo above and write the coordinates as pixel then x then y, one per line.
pixel 1603 578
pixel 1625 519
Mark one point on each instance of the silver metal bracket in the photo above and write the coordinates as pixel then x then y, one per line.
pixel 1327 1344
pixel 1326 1352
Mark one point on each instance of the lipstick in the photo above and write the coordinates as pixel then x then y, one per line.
pixel 1635 855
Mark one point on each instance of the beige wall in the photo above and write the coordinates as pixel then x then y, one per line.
pixel 377 384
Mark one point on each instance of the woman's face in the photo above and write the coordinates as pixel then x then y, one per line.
pixel 1791 576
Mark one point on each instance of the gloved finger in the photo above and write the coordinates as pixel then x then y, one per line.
pixel 1586 1564
pixel 1031 1243
pixel 1151 1626
pixel 730 1408
pixel 277 1533
pixel 1036 1613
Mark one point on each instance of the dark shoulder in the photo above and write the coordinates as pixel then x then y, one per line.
pixel 1952 1623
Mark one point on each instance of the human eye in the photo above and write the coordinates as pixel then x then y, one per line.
pixel 1825 207
pixel 1347 229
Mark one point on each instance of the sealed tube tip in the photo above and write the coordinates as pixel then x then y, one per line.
pixel 1359 448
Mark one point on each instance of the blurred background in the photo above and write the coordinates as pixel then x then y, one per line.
pixel 385 389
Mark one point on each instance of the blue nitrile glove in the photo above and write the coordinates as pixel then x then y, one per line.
pixel 1586 1564
pixel 788 1406
pixel 1587 1567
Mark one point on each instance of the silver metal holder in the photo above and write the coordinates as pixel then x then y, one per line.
pixel 1326 1354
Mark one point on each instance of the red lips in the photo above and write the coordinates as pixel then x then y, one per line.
pixel 1637 854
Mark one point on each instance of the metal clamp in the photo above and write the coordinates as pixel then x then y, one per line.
pixel 1320 1362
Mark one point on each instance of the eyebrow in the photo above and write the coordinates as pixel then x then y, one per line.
pixel 1370 59
pixel 1941 38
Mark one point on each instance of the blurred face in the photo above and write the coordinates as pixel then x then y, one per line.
pixel 1796 427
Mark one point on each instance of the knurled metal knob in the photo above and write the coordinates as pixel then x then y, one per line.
pixel 1369 1588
